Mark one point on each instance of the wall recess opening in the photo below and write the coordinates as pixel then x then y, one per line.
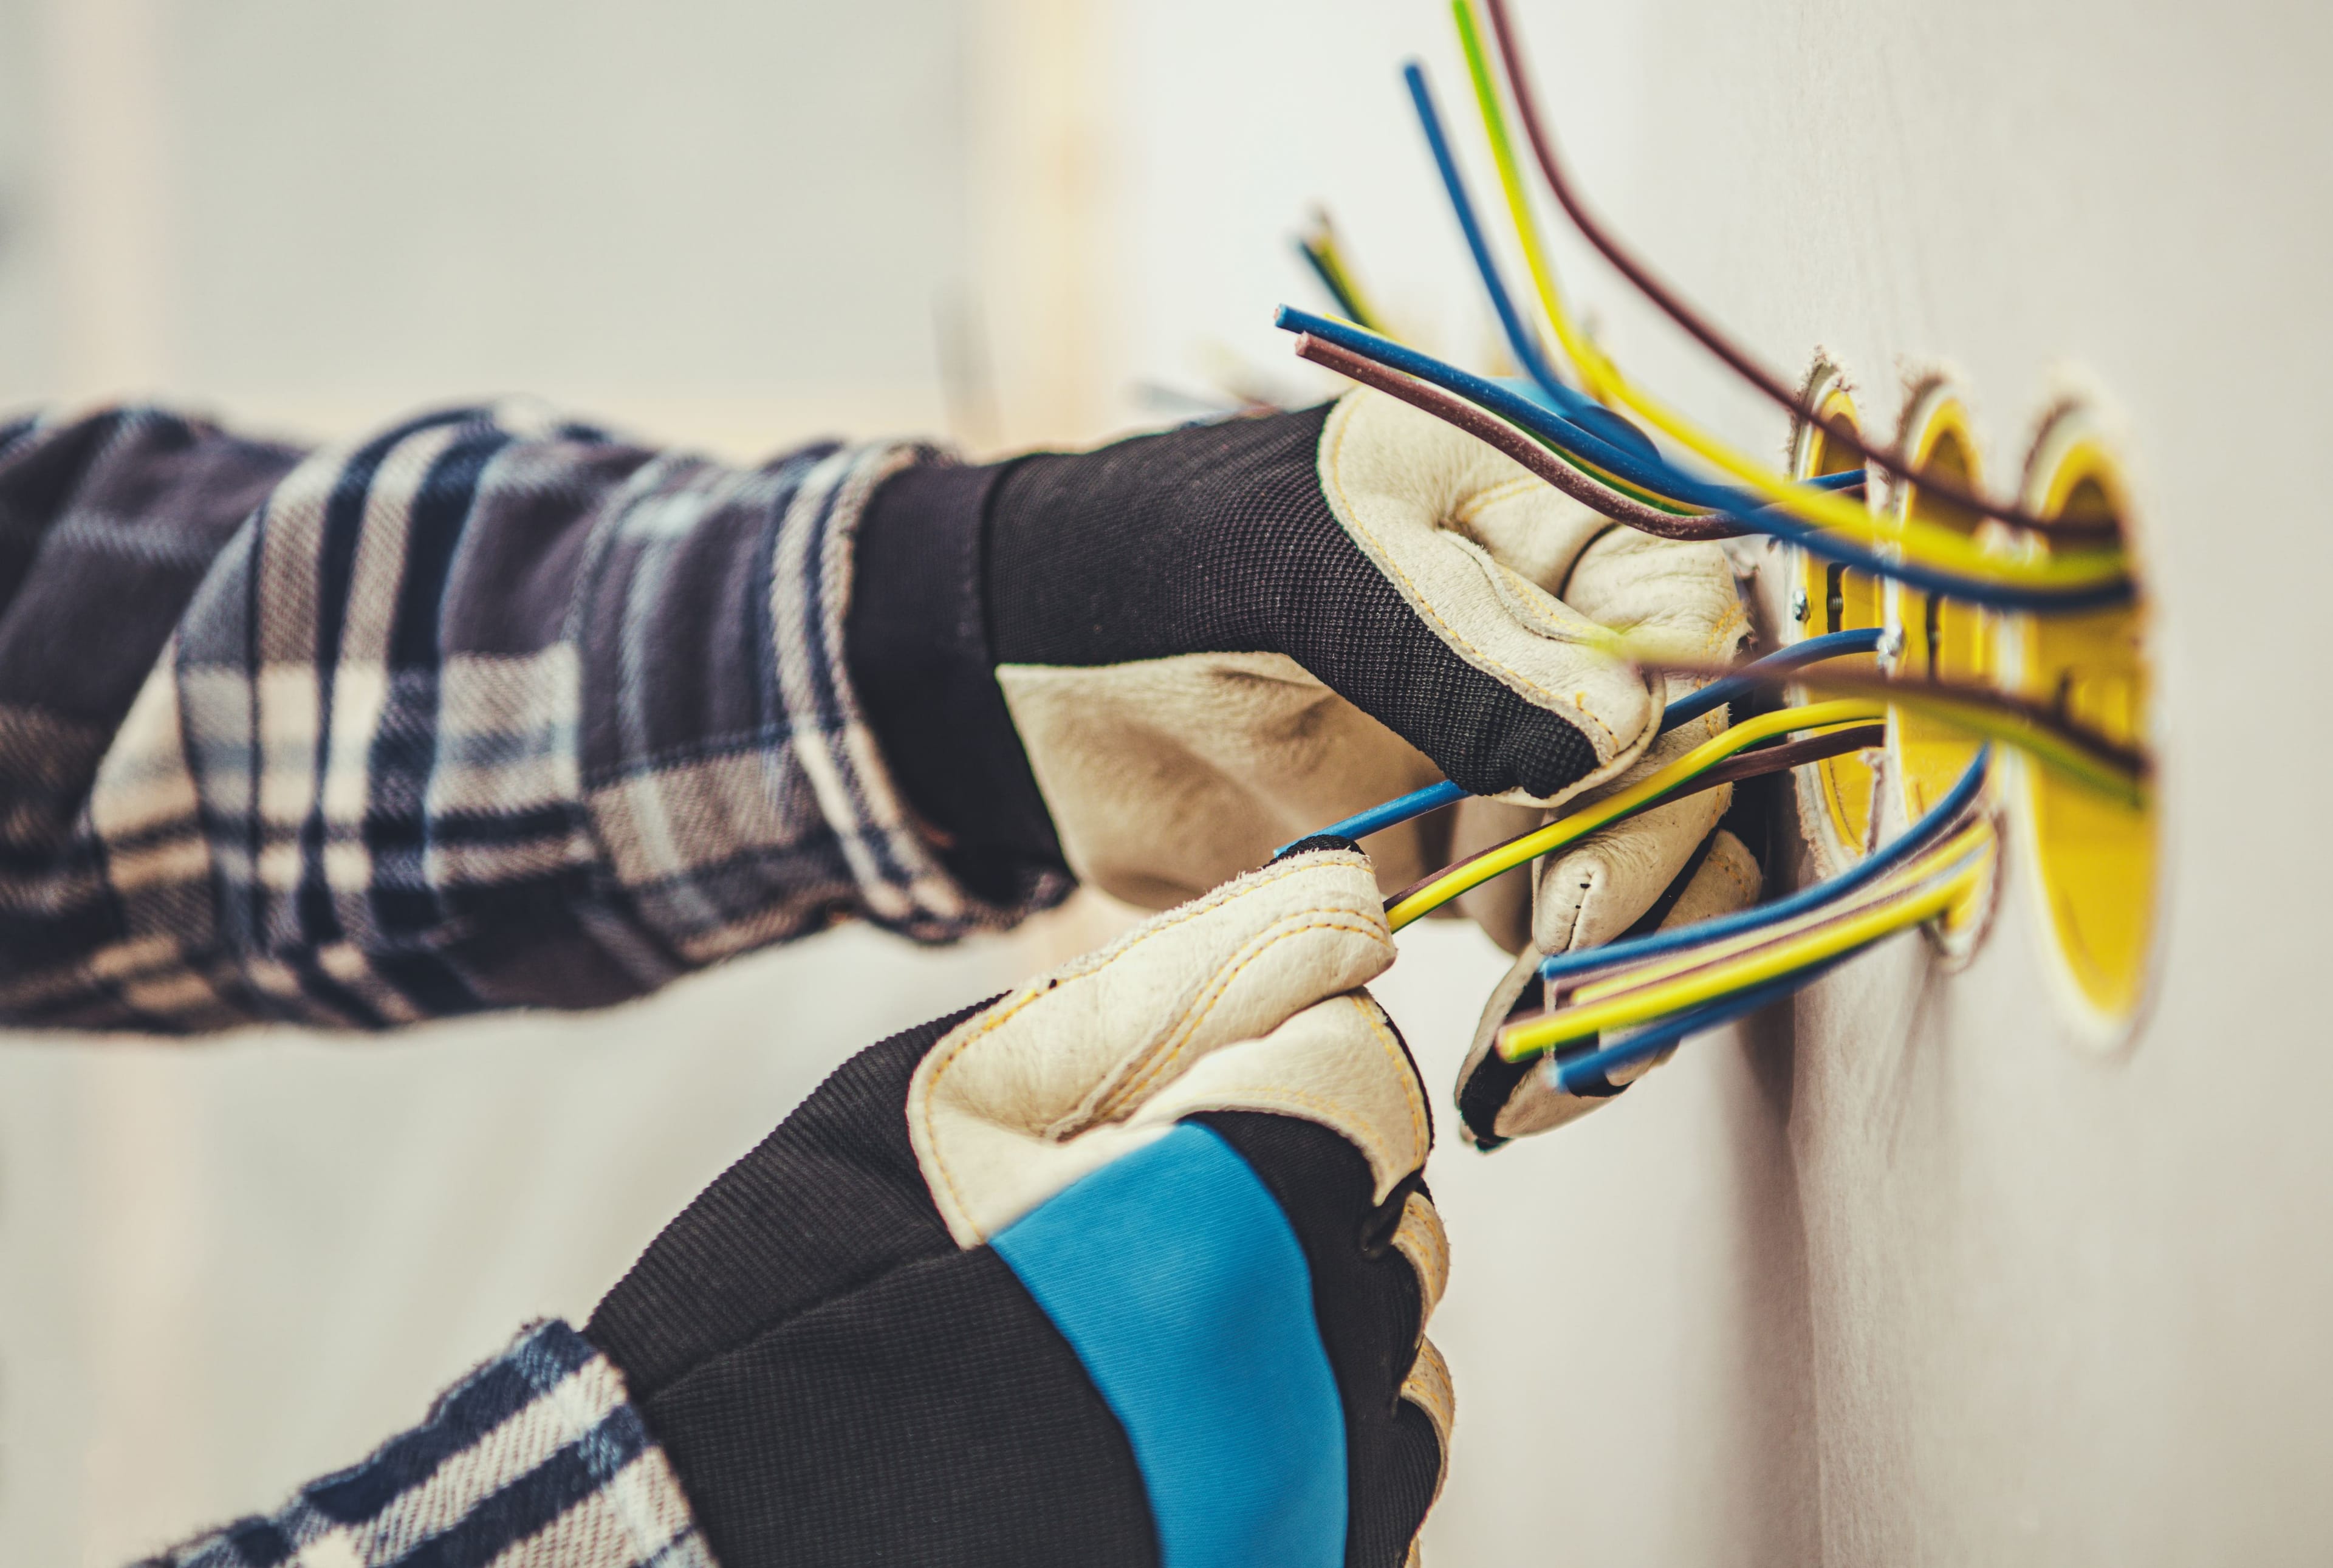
pixel 2094 857
pixel 1939 638
pixel 1834 798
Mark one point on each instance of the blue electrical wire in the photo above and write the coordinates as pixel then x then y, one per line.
pixel 1570 404
pixel 1651 474
pixel 1432 797
pixel 1391 815
pixel 1592 1070
pixel 1809 650
pixel 1881 860
pixel 1659 476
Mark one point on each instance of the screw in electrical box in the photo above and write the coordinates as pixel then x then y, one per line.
pixel 1798 604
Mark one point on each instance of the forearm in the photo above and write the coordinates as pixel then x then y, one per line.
pixel 535 718
pixel 536 1457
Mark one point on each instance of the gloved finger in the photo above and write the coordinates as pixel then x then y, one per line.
pixel 1500 1099
pixel 1607 883
pixel 1604 887
pixel 1400 1491
pixel 1248 997
pixel 1495 677
pixel 1676 593
pixel 1407 1471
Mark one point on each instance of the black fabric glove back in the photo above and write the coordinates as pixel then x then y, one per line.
pixel 1158 660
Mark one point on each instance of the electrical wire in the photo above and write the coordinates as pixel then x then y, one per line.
pixel 1653 479
pixel 1331 283
pixel 1573 967
pixel 2051 582
pixel 1434 796
pixel 1565 477
pixel 1930 886
pixel 1579 409
pixel 1782 757
pixel 1914 535
pixel 1669 782
pixel 2112 767
pixel 1590 1070
pixel 1392 814
pixel 1740 683
pixel 1623 503
pixel 1786 943
pixel 1673 305
pixel 1320 248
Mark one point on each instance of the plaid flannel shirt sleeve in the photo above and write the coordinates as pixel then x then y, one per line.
pixel 487 710
pixel 535 1460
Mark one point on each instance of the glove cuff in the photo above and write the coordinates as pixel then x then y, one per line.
pixel 918 645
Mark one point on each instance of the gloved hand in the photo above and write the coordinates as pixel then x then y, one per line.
pixel 1670 867
pixel 1213 640
pixel 1130 1266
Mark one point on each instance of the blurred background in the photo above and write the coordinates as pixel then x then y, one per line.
pixel 1901 1274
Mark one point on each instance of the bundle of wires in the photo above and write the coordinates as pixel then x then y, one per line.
pixel 1654 990
pixel 2113 769
pixel 1611 1010
pixel 1600 457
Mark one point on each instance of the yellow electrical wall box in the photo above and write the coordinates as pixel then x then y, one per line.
pixel 1835 795
pixel 1938 639
pixel 2094 855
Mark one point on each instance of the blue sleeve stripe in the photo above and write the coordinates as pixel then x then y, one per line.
pixel 1183 1290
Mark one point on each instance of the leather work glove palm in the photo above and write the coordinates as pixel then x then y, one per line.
pixel 1215 640
pixel 1130 1266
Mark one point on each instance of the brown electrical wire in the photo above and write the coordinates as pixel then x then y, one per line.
pixel 1674 307
pixel 1498 434
pixel 1747 764
pixel 1794 754
pixel 2128 761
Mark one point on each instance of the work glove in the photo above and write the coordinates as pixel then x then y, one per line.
pixel 1158 660
pixel 1670 867
pixel 1129 1266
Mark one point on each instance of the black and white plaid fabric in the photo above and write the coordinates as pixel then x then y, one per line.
pixel 487 710
pixel 535 1460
